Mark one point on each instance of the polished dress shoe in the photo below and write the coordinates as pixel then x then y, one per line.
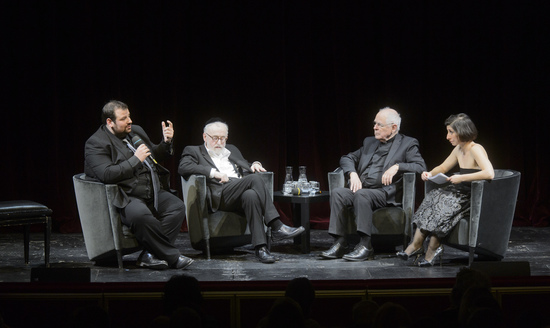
pixel 183 262
pixel 360 253
pixel 147 260
pixel 335 252
pixel 264 256
pixel 286 232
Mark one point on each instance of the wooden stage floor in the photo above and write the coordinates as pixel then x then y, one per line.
pixel 527 244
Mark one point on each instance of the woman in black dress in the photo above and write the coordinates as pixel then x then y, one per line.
pixel 442 208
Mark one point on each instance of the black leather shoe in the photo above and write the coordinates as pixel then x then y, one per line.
pixel 264 256
pixel 335 252
pixel 183 262
pixel 147 260
pixel 286 232
pixel 360 253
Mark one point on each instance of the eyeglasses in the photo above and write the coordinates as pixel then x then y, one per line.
pixel 216 139
pixel 380 125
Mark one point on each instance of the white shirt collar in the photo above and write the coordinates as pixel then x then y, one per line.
pixel 225 152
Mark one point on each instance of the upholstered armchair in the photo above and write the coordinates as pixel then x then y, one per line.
pixel 218 231
pixel 392 224
pixel 487 231
pixel 104 234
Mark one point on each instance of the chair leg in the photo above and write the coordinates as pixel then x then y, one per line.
pixel 206 233
pixel 207 243
pixel 26 241
pixel 47 234
pixel 119 259
pixel 471 256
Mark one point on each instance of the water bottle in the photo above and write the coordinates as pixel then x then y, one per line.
pixel 302 177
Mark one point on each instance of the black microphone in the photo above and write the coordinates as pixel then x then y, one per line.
pixel 136 140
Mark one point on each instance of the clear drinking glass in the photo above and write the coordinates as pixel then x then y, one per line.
pixel 287 188
pixel 314 187
pixel 305 187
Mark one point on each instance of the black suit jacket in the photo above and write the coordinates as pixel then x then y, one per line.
pixel 109 160
pixel 403 151
pixel 196 160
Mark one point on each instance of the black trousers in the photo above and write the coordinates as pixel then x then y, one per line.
pixel 156 231
pixel 250 196
pixel 364 202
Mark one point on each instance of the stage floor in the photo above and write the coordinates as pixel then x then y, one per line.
pixel 68 251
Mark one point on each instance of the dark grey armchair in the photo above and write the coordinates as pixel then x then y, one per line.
pixel 218 231
pixel 487 231
pixel 104 234
pixel 392 224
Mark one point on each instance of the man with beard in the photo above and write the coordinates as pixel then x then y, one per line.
pixel 121 153
pixel 233 186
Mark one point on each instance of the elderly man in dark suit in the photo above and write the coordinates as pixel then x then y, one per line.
pixel 233 186
pixel 121 153
pixel 375 173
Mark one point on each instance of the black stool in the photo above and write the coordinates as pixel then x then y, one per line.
pixel 26 212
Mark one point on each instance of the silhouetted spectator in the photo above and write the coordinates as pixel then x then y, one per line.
pixel 184 317
pixel 391 315
pixel 363 313
pixel 465 279
pixel 301 290
pixel 184 291
pixel 285 313
pixel 474 300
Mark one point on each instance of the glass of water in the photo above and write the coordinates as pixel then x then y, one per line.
pixel 314 187
pixel 305 187
pixel 287 188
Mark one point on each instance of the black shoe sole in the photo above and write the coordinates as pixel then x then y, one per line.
pixel 358 260
pixel 295 234
pixel 186 265
pixel 266 261
pixel 159 266
pixel 330 257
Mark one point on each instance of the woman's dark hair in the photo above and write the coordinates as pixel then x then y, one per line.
pixel 463 126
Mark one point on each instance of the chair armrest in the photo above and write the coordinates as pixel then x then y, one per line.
pixel 113 191
pixel 268 179
pixel 196 185
pixel 409 181
pixel 476 200
pixel 475 206
pixel 336 179
pixel 198 181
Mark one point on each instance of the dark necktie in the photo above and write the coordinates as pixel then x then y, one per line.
pixel 154 176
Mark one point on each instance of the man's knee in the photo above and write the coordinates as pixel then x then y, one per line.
pixel 256 181
pixel 250 196
pixel 368 196
pixel 173 203
pixel 340 195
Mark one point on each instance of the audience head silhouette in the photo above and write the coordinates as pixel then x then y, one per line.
pixel 182 290
pixel 301 290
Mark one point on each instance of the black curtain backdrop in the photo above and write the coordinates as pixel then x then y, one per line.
pixel 299 83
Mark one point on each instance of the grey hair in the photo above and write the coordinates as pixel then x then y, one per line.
pixel 392 116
